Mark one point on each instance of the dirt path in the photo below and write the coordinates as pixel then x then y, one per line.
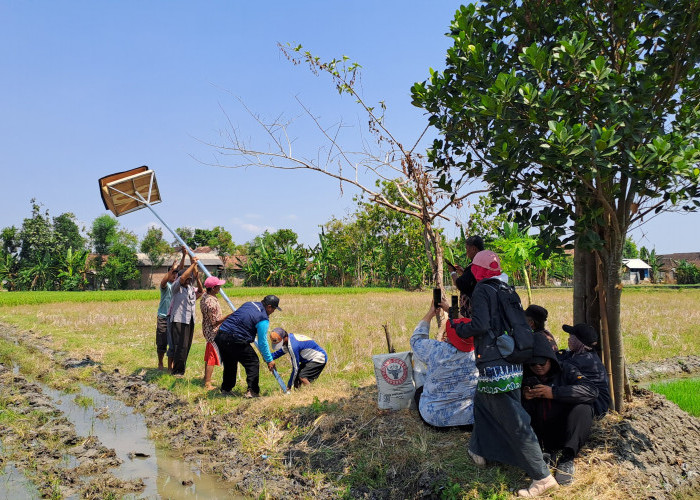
pixel 672 367
pixel 652 449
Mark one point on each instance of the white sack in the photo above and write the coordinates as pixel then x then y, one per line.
pixel 394 375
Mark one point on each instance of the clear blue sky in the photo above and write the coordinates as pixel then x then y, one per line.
pixel 91 88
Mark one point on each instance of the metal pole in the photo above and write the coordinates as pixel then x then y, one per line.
pixel 208 274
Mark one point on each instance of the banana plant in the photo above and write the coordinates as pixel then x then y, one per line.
pixel 518 252
pixel 72 272
pixel 9 272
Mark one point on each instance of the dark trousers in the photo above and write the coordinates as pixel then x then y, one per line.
pixel 233 353
pixel 566 427
pixel 162 334
pixel 181 335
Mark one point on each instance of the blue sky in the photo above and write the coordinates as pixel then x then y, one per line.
pixel 91 88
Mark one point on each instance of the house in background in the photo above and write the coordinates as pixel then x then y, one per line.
pixel 233 269
pixel 152 276
pixel 634 271
pixel 671 260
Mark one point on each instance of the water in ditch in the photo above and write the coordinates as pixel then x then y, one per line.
pixel 14 485
pixel 118 426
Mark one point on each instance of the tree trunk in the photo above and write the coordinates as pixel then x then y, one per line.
pixel 613 295
pixel 434 252
pixel 586 308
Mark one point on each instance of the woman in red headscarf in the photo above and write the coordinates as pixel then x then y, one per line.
pixel 502 431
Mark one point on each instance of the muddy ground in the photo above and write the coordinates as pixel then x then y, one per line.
pixel 653 439
pixel 44 444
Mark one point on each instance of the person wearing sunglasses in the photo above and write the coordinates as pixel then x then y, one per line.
pixel 559 400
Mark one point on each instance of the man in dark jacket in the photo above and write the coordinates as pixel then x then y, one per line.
pixel 583 342
pixel 236 334
pixel 559 400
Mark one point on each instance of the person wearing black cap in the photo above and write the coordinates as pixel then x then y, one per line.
pixel 537 317
pixel 559 400
pixel 583 344
pixel 236 334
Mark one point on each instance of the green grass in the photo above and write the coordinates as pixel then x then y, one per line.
pixel 349 440
pixel 29 298
pixel 685 393
pixel 84 401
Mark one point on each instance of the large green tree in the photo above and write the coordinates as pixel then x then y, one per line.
pixel 36 239
pixel 116 263
pixel 218 239
pixel 67 233
pixel 583 117
pixel 121 268
pixel 103 233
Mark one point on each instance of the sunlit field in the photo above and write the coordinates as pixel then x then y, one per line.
pixel 362 446
pixel 348 322
pixel 685 393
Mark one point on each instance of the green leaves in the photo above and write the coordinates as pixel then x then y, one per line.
pixel 570 108
pixel 539 59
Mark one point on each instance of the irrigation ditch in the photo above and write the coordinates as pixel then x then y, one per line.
pixel 94 442
pixel 118 436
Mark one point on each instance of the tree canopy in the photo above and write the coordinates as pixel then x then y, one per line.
pixel 582 117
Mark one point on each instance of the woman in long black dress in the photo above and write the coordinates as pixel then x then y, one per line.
pixel 502 431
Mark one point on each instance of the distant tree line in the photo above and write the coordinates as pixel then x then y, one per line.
pixel 47 253
pixel 372 247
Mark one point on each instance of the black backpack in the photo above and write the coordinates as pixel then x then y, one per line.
pixel 516 342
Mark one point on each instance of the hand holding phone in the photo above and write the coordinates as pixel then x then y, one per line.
pixel 437 297
pixel 450 266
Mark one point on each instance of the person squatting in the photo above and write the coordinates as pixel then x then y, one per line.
pixel 535 416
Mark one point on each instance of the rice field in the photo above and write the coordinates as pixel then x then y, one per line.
pixel 685 393
pixel 117 329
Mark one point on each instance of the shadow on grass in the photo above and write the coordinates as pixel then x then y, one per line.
pixel 367 452
pixel 389 454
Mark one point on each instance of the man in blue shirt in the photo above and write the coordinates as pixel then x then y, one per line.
pixel 308 358
pixel 236 334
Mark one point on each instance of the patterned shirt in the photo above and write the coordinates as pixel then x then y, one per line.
pixel 211 313
pixel 450 380
pixel 502 378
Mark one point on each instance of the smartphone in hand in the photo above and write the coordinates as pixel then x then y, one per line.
pixel 437 297
pixel 450 266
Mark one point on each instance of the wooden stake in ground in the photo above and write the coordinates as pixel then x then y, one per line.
pixel 389 343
